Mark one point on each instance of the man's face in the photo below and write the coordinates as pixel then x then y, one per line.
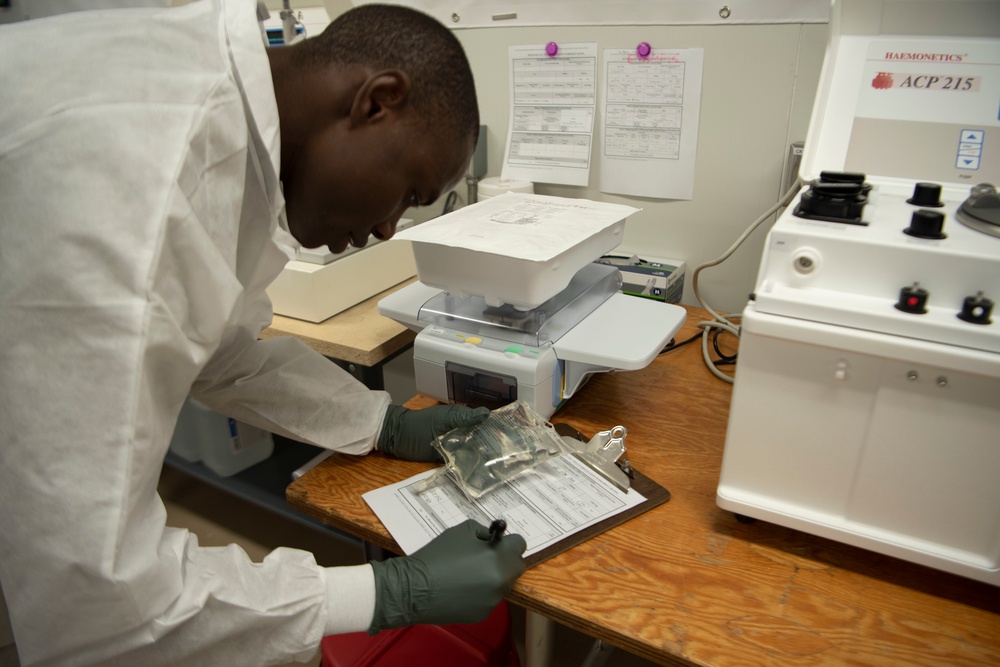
pixel 346 185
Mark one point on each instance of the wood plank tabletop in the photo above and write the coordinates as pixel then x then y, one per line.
pixel 685 583
pixel 358 335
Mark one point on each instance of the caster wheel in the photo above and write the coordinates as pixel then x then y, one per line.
pixel 743 518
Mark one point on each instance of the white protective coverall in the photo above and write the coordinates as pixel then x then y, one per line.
pixel 142 219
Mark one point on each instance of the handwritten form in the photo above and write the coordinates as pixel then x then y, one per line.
pixel 651 109
pixel 554 500
pixel 553 100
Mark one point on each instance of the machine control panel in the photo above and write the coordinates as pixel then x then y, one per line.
pixel 883 255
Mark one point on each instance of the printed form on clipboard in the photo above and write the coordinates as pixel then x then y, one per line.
pixel 554 506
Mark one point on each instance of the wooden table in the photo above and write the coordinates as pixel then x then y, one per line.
pixel 685 583
pixel 358 336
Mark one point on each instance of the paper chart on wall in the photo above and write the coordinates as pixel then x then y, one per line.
pixel 553 99
pixel 651 108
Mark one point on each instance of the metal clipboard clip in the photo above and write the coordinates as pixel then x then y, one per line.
pixel 606 454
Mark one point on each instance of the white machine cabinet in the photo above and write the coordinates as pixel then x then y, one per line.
pixel 866 407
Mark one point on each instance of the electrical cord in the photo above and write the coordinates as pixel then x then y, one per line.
pixel 673 344
pixel 449 203
pixel 724 359
pixel 723 324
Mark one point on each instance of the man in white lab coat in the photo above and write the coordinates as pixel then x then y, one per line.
pixel 157 169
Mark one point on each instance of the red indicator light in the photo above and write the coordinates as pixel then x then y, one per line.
pixel 912 301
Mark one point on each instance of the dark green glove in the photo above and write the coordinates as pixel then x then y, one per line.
pixel 459 577
pixel 407 434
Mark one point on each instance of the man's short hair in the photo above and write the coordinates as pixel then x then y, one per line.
pixel 394 37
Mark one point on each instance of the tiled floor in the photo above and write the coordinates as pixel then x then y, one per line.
pixel 219 519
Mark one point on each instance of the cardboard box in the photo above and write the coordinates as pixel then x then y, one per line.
pixel 315 292
pixel 650 278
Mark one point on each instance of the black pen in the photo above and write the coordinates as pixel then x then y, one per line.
pixel 496 529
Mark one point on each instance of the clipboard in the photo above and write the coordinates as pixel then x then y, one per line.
pixel 655 495
pixel 410 518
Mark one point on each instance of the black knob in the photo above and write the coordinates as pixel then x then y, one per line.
pixel 926 224
pixel 976 309
pixel 926 194
pixel 913 299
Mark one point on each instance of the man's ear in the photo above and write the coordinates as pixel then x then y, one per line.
pixel 381 94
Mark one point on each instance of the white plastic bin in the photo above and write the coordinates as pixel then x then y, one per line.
pixel 224 445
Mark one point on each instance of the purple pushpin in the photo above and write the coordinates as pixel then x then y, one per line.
pixel 643 50
pixel 552 49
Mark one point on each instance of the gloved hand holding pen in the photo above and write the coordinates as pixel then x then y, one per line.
pixel 407 434
pixel 458 577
